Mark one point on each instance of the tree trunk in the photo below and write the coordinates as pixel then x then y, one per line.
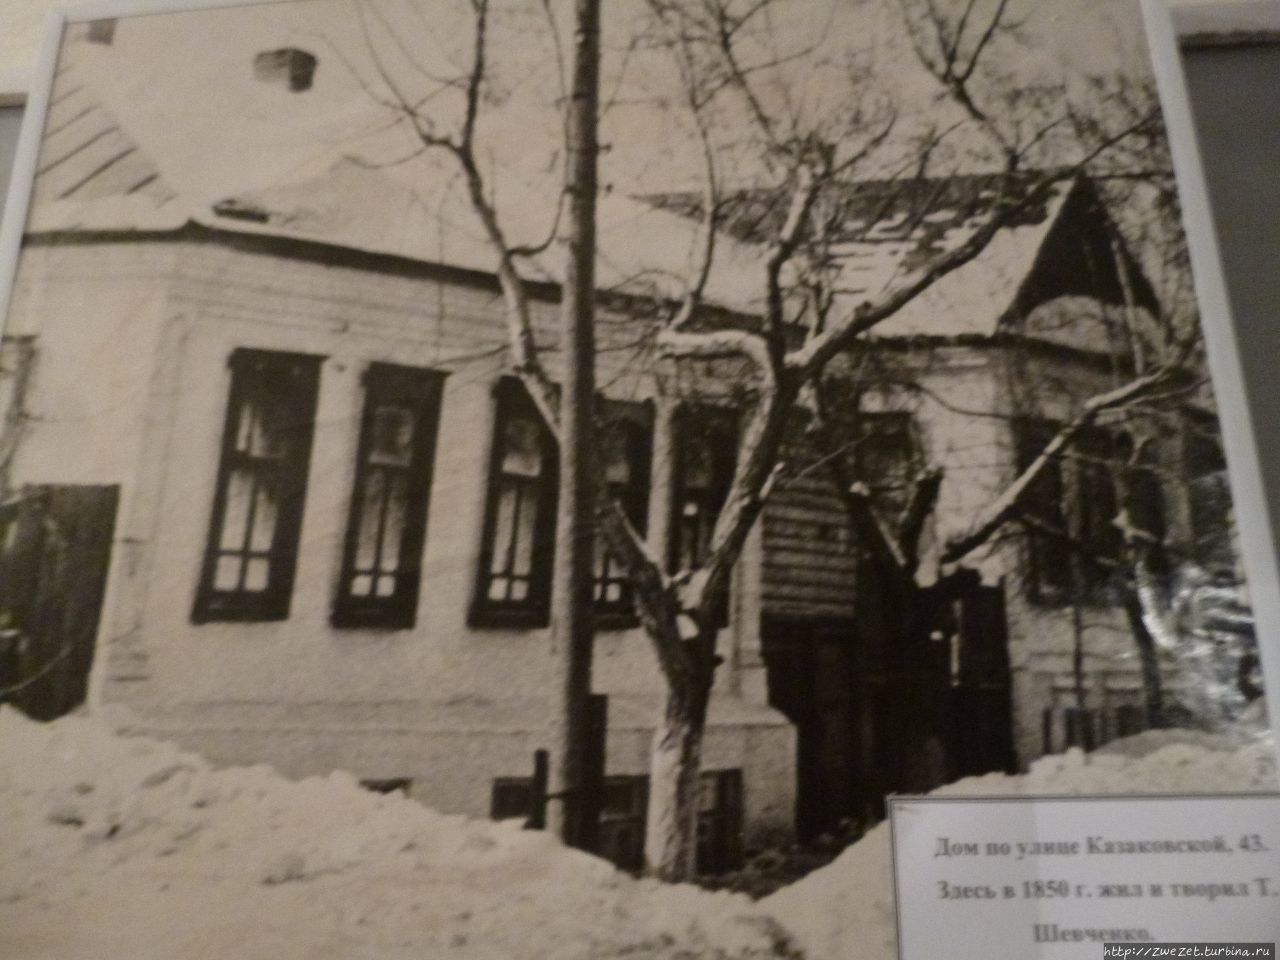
pixel 573 573
pixel 1148 659
pixel 671 840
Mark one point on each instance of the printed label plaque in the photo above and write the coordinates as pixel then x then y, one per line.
pixel 982 877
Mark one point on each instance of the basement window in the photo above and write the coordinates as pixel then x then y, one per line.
pixel 387 522
pixel 622 821
pixel 400 785
pixel 512 799
pixel 720 821
pixel 252 550
pixel 624 811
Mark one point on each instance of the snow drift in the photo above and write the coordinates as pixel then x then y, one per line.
pixel 125 848
pixel 845 910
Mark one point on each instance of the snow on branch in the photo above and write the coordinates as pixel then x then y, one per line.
pixel 718 344
pixel 1006 505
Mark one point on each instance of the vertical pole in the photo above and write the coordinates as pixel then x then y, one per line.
pixel 572 583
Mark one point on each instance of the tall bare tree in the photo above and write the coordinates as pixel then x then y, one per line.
pixel 742 81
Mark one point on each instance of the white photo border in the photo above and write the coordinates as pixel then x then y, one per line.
pixel 1166 23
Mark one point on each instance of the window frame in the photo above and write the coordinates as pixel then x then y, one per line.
pixel 253 371
pixel 511 798
pixel 624 809
pixel 624 825
pixel 512 401
pixel 1089 495
pixel 720 823
pixel 719 428
pixel 636 422
pixel 721 425
pixel 423 389
pixel 877 428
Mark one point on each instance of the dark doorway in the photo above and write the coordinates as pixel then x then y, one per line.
pixel 812 681
pixel 980 700
pixel 55 548
pixel 905 701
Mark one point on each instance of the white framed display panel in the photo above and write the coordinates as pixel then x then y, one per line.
pixel 1255 517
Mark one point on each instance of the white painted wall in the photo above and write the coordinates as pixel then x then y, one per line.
pixel 130 386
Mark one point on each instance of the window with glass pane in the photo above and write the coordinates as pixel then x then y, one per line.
pixel 886 458
pixel 261 486
pixel 706 448
pixel 1044 514
pixel 386 529
pixel 624 442
pixel 515 563
pixel 1071 506
pixel 1097 460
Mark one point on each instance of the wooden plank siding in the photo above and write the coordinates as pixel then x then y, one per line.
pixel 809 562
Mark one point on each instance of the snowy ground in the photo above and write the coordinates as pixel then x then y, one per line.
pixel 127 849
pixel 122 848
pixel 845 910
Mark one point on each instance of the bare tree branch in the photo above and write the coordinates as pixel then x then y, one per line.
pixel 920 506
pixel 1006 506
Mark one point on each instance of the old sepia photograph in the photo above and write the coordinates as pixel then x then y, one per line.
pixel 512 479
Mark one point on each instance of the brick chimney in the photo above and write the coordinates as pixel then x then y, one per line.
pixel 289 67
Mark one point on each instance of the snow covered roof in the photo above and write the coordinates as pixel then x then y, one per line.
pixel 355 206
pixel 890 227
pixel 121 154
pixel 111 161
pixel 87 158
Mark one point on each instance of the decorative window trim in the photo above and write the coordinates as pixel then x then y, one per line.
pixel 259 373
pixel 532 610
pixel 421 390
pixel 894 435
pixel 513 400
